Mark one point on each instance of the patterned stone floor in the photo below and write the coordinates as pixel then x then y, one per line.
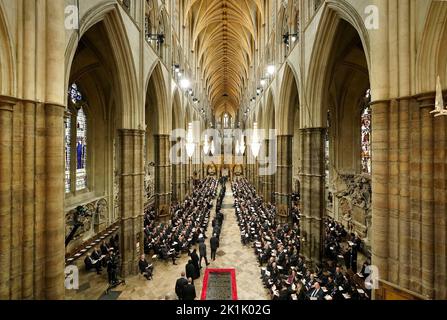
pixel 231 254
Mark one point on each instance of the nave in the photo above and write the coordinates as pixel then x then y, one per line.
pixel 231 254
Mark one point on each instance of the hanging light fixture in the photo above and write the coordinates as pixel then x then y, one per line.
pixel 256 144
pixel 271 69
pixel 190 146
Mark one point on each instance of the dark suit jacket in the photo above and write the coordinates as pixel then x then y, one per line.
pixel 214 243
pixel 189 292
pixel 202 249
pixel 320 294
pixel 180 287
pixel 142 265
pixel 190 271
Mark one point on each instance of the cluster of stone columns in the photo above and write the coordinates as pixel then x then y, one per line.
pixel 132 202
pixel 312 191
pixel 32 225
pixel 283 181
pixel 409 195
pixel 163 191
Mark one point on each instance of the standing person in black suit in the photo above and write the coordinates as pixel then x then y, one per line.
pixel 190 270
pixel 195 261
pixel 202 251
pixel 180 286
pixel 189 292
pixel 214 244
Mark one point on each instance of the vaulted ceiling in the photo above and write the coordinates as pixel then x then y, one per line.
pixel 224 34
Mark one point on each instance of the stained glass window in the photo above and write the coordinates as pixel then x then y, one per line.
pixel 366 134
pixel 68 153
pixel 81 150
pixel 75 95
pixel 76 142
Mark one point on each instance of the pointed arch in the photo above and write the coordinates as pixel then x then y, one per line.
pixel 7 62
pixel 157 100
pixel 177 111
pixel 431 59
pixel 289 101
pixel 125 80
pixel 269 118
pixel 334 12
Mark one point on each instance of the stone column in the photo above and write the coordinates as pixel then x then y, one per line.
pixel 427 200
pixel 183 181
pixel 263 178
pixel 163 190
pixel 55 97
pixel 54 208
pixel 132 199
pixel 6 113
pixel 380 180
pixel 312 192
pixel 269 179
pixel 440 207
pixel 176 180
pixel 283 177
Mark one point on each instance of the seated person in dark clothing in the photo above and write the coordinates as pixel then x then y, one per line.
pixel 90 263
pixel 145 268
pixel 105 249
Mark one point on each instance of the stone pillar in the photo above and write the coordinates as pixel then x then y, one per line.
pixel 380 181
pixel 163 190
pixel 312 192
pixel 283 177
pixel 55 97
pixel 183 181
pixel 427 200
pixel 269 179
pixel 176 180
pixel 440 207
pixel 6 114
pixel 132 199
pixel 54 208
pixel 404 194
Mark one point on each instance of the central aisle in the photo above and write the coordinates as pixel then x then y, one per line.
pixel 231 254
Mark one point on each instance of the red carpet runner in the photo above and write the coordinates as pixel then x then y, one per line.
pixel 219 284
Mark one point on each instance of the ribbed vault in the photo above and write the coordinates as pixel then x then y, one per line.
pixel 224 34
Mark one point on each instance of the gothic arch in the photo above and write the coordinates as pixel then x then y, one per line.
pixel 177 111
pixel 333 13
pixel 125 81
pixel 157 94
pixel 269 118
pixel 7 63
pixel 432 54
pixel 289 100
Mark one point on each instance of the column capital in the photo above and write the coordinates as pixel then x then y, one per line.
pixel 315 129
pixel 131 132
pixel 7 103
pixel 283 136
